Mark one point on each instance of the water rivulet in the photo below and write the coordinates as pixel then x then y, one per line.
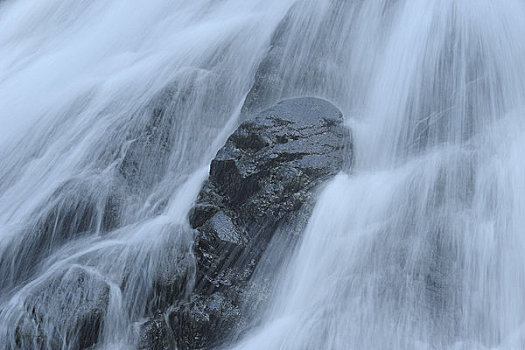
pixel 111 113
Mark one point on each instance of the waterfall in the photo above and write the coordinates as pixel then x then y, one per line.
pixel 111 113
pixel 420 245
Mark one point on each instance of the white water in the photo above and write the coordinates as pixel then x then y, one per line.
pixel 80 82
pixel 419 246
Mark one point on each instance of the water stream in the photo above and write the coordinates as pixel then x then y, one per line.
pixel 111 113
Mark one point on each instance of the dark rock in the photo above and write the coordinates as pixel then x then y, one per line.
pixel 264 175
pixel 156 334
pixel 68 308
pixel 269 78
pixel 74 209
pixel 202 320
pixel 174 270
pixel 111 213
pixel 201 213
pixel 146 159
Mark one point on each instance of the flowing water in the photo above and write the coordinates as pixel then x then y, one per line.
pixel 111 112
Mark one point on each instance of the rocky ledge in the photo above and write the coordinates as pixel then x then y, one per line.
pixel 266 172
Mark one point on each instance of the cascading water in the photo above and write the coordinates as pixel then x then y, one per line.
pixel 421 245
pixel 111 114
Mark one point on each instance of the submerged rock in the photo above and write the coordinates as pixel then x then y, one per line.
pixel 76 208
pixel 66 309
pixel 146 158
pixel 266 172
pixel 316 68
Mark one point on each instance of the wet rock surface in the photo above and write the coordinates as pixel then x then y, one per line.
pixel 274 81
pixel 73 211
pixel 269 79
pixel 150 148
pixel 68 308
pixel 156 334
pixel 266 172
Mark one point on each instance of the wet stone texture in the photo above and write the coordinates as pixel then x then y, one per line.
pixel 266 172
pixel 67 308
